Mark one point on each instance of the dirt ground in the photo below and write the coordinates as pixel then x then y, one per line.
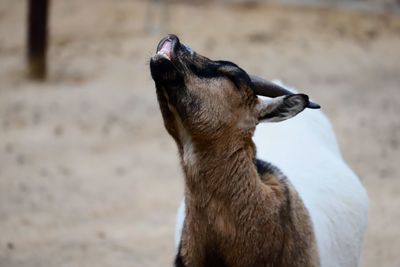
pixel 89 176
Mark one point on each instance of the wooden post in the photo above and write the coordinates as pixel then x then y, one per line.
pixel 37 38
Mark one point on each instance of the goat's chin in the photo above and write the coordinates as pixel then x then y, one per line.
pixel 162 69
pixel 159 60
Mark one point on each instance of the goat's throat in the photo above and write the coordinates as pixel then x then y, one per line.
pixel 216 172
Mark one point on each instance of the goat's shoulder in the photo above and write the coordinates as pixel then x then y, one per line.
pixel 294 218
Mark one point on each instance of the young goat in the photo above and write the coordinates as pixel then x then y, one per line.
pixel 302 206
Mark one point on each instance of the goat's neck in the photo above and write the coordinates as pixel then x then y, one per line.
pixel 219 169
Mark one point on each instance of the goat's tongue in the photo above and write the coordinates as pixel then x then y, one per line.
pixel 166 49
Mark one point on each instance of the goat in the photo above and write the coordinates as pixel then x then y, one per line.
pixel 296 204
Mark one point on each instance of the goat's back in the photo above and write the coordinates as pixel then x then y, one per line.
pixel 305 149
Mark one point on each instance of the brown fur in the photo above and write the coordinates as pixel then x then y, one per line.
pixel 250 220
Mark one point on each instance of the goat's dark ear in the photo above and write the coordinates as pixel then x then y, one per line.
pixel 281 108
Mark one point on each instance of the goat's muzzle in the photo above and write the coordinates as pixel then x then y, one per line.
pixel 165 63
pixel 168 47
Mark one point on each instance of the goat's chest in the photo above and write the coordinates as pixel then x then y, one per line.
pixel 216 239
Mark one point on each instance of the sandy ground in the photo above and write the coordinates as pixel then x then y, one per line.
pixel 89 176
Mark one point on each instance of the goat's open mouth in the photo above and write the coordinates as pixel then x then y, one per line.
pixel 167 46
pixel 166 49
pixel 165 63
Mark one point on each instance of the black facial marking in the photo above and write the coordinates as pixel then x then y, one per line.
pixel 174 92
pixel 221 68
pixel 206 70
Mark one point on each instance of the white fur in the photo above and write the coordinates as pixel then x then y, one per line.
pixel 305 149
pixel 180 219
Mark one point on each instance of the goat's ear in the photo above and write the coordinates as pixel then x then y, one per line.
pixel 281 108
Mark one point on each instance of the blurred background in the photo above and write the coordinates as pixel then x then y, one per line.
pixel 89 176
